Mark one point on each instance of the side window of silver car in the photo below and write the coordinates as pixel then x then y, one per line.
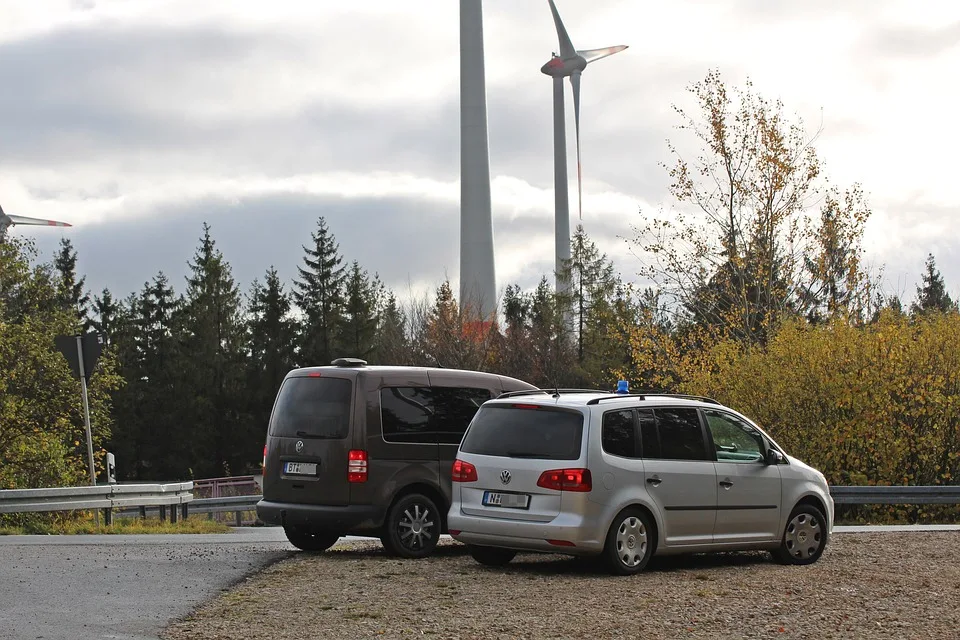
pixel 733 439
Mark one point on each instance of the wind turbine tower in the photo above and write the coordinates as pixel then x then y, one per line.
pixel 477 275
pixel 570 63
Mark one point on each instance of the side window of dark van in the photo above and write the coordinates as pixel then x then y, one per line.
pixel 428 415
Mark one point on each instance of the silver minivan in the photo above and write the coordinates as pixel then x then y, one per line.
pixel 627 476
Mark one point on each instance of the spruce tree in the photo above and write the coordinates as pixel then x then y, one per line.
pixel 212 338
pixel 107 315
pixel 592 285
pixel 932 294
pixel 70 293
pixel 393 344
pixel 361 317
pixel 271 338
pixel 320 295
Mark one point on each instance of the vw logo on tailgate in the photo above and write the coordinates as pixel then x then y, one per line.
pixel 505 477
pixel 299 446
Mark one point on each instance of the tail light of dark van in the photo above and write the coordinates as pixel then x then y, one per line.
pixel 357 465
pixel 263 467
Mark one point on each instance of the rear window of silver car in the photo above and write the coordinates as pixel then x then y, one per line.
pixel 312 407
pixel 525 431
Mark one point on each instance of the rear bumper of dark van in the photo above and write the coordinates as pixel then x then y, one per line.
pixel 322 517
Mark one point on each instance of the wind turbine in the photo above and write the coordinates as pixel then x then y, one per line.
pixel 12 221
pixel 569 62
pixel 477 273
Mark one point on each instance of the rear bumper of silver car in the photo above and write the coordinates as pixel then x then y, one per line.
pixel 565 534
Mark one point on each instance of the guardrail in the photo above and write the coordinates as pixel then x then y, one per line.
pixel 930 494
pixel 129 497
pixel 107 497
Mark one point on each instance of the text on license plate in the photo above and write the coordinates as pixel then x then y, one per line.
pixel 300 468
pixel 510 500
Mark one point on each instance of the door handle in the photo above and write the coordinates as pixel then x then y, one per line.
pixel 654 481
pixel 726 484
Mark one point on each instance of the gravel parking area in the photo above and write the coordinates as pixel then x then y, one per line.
pixel 873 585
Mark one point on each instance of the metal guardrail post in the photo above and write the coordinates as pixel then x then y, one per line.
pixel 108 516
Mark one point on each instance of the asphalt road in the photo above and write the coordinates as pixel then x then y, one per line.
pixel 130 587
pixel 121 586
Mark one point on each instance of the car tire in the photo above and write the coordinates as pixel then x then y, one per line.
pixel 629 544
pixel 804 537
pixel 491 556
pixel 306 540
pixel 412 528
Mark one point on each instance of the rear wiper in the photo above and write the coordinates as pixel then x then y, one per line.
pixel 318 436
pixel 526 454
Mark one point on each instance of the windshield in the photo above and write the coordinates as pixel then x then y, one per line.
pixel 513 432
pixel 310 407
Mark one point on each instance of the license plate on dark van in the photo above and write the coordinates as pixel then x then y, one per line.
pixel 507 500
pixel 300 468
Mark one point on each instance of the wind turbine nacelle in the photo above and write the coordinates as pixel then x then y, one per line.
pixel 562 67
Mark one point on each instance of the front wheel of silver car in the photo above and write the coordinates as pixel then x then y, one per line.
pixel 630 542
pixel 804 537
pixel 412 528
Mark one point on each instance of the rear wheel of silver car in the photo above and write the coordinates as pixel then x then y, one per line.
pixel 412 528
pixel 804 538
pixel 491 556
pixel 629 542
pixel 307 540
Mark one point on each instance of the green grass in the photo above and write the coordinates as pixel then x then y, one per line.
pixel 119 526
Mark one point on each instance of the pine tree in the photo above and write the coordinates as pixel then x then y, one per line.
pixel 517 359
pixel 553 350
pixel 148 439
pixel 70 293
pixel 224 442
pixel 320 295
pixel 592 284
pixel 271 337
pixel 932 295
pixel 107 315
pixel 363 298
pixel 393 344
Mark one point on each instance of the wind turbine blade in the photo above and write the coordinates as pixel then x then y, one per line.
pixel 38 222
pixel 575 81
pixel 566 47
pixel 595 54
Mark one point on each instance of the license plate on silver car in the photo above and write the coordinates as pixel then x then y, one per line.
pixel 508 500
pixel 300 468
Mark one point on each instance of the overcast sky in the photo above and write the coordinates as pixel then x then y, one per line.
pixel 138 120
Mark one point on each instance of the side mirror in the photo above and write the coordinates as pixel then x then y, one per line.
pixel 774 457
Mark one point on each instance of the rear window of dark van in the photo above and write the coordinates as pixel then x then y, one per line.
pixel 516 432
pixel 309 407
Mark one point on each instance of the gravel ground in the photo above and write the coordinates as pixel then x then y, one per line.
pixel 876 585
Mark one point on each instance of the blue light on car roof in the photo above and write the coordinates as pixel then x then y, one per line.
pixel 622 386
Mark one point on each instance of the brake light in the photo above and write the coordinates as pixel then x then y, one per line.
pixel 357 465
pixel 526 406
pixel 263 467
pixel 313 374
pixel 566 480
pixel 463 472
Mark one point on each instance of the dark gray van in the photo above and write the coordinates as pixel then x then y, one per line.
pixel 367 450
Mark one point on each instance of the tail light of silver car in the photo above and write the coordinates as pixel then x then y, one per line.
pixel 566 480
pixel 463 472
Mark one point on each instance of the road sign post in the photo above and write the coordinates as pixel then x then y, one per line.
pixel 82 352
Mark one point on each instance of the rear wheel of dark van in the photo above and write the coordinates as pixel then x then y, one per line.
pixel 412 527
pixel 307 540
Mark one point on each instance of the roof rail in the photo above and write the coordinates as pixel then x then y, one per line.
pixel 551 391
pixel 643 396
pixel 616 396
pixel 685 397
